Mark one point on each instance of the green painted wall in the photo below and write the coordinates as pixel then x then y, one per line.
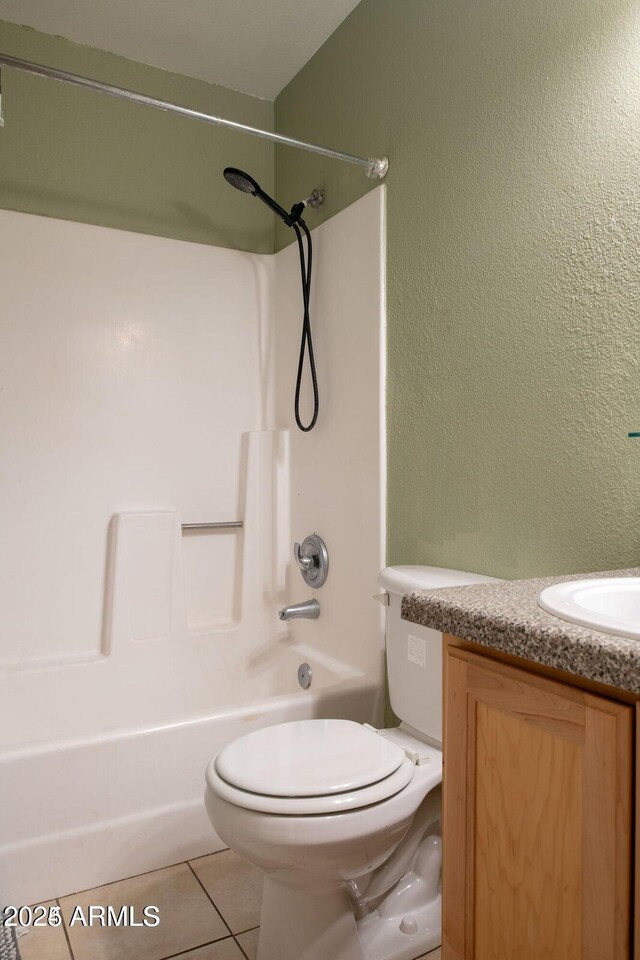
pixel 81 156
pixel 513 243
pixel 513 131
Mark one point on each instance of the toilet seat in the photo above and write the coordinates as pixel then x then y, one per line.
pixel 307 806
pixel 308 758
pixel 309 767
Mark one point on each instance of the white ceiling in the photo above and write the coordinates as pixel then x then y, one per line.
pixel 255 46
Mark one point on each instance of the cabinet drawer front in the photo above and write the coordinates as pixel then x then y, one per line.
pixel 537 817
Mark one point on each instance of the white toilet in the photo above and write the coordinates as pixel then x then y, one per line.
pixel 343 819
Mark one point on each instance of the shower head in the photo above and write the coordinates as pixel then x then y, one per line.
pixel 243 182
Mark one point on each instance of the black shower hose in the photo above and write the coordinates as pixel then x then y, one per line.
pixel 306 343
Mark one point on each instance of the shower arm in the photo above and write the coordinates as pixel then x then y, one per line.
pixel 375 167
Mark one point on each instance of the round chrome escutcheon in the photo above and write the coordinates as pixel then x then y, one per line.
pixel 313 559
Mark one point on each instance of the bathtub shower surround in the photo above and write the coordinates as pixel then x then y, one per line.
pixel 146 385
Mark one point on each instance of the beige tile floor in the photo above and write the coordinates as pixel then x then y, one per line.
pixel 209 910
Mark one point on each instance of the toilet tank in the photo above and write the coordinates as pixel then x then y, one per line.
pixel 414 653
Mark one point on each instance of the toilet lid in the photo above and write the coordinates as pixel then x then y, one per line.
pixel 308 758
pixel 306 806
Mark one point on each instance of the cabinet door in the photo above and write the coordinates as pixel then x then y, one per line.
pixel 537 828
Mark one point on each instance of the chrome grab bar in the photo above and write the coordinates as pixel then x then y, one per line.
pixel 224 525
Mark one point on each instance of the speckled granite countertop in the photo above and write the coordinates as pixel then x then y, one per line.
pixel 506 617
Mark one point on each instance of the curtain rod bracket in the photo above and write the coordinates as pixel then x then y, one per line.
pixel 378 168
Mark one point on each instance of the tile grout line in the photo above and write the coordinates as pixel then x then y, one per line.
pixel 134 876
pixel 240 934
pixel 228 936
pixel 210 899
pixel 203 856
pixel 64 927
pixel 185 953
pixel 240 948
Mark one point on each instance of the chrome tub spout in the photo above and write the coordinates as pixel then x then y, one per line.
pixel 308 610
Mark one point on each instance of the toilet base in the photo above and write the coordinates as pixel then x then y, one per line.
pixel 383 938
pixel 307 923
pixel 312 924
pixel 407 921
pixel 398 906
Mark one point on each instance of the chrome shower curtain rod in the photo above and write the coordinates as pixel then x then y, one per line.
pixel 375 167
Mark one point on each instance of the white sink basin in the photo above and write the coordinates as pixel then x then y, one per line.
pixel 610 605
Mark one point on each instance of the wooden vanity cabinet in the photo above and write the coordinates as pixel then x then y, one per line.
pixel 537 816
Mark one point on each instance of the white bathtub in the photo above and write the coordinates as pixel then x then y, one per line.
pixel 111 801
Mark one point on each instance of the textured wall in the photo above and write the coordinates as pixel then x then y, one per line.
pixel 513 267
pixel 78 155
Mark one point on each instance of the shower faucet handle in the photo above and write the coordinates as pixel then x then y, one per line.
pixel 303 562
pixel 312 558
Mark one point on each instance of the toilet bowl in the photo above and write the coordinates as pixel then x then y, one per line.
pixel 343 819
pixel 323 829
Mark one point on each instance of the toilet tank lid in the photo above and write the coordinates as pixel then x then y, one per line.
pixel 406 578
